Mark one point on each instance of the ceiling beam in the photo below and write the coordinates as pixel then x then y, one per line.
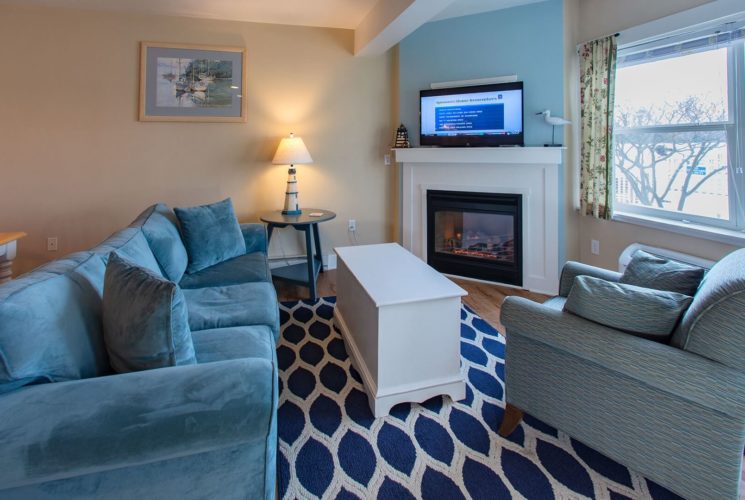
pixel 390 21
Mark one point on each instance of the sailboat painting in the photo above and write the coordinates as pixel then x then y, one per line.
pixel 185 83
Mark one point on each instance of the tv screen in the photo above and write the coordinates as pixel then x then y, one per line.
pixel 483 115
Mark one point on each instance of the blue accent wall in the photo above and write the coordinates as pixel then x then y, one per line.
pixel 526 40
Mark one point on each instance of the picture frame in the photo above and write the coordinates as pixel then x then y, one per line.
pixel 192 83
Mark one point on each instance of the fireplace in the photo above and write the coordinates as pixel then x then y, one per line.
pixel 477 235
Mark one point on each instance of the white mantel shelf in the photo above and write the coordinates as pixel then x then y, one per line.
pixel 531 172
pixel 511 155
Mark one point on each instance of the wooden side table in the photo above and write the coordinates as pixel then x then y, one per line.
pixel 304 274
pixel 8 243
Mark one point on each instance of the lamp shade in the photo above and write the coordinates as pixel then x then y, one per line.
pixel 291 151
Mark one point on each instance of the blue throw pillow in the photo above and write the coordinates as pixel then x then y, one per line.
pixel 644 312
pixel 145 319
pixel 211 234
pixel 650 271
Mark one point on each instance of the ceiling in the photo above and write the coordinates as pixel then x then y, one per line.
pixel 327 13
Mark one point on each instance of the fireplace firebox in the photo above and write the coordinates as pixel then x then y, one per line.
pixel 477 235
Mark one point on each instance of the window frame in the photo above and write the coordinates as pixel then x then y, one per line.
pixel 734 130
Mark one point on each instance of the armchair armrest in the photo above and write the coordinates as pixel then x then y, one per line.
pixel 65 429
pixel 255 236
pixel 684 374
pixel 573 269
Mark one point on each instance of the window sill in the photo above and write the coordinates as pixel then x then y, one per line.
pixel 721 235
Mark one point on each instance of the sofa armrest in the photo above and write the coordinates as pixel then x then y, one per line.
pixel 573 269
pixel 255 236
pixel 684 374
pixel 66 429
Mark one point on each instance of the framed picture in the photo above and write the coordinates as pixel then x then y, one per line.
pixel 192 83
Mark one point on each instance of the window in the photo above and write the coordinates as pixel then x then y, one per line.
pixel 679 131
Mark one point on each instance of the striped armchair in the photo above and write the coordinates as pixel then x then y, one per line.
pixel 673 412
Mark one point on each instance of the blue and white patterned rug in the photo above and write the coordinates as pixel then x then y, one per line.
pixel 330 446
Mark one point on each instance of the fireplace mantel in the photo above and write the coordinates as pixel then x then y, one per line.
pixel 510 155
pixel 532 172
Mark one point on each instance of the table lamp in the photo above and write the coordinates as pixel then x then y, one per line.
pixel 291 151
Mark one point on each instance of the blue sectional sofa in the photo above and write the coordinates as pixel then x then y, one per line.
pixel 70 428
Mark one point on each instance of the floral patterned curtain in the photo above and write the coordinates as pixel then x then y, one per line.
pixel 597 89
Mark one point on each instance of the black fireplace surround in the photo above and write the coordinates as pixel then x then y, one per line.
pixel 476 235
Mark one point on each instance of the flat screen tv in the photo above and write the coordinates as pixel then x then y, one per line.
pixel 482 115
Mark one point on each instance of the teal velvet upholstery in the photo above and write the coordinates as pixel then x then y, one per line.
pixel 77 428
pixel 221 344
pixel 650 271
pixel 254 235
pixel 673 412
pixel 50 327
pixel 641 311
pixel 236 305
pixel 160 226
pixel 131 244
pixel 248 268
pixel 71 429
pixel 145 320
pixel 211 234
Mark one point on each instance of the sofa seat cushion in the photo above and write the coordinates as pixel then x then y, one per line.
pixel 248 268
pixel 223 344
pixel 235 305
pixel 145 321
pixel 160 227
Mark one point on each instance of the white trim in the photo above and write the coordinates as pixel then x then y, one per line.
pixel 728 236
pixel 474 82
pixel 716 11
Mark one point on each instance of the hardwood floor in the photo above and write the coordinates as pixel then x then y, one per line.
pixel 484 298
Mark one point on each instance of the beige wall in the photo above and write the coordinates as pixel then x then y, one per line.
pixel 75 162
pixel 598 18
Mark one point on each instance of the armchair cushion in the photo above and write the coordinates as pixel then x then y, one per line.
pixel 649 271
pixel 211 234
pixel 145 320
pixel 647 313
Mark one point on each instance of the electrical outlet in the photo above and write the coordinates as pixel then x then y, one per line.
pixel 595 247
pixel 387 159
pixel 352 227
pixel 52 244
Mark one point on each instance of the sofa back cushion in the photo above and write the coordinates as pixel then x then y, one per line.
pixel 714 324
pixel 51 319
pixel 160 227
pixel 50 326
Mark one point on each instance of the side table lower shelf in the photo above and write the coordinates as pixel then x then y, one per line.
pixel 298 273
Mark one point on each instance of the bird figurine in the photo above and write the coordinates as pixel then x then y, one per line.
pixel 554 121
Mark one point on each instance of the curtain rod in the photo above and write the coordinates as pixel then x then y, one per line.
pixel 598 38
